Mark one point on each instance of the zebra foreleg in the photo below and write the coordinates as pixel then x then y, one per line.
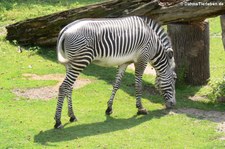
pixel 139 70
pixel 119 76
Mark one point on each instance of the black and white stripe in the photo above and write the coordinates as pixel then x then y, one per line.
pixel 115 42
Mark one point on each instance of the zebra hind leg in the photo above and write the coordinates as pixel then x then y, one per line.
pixel 65 90
pixel 61 96
pixel 119 76
pixel 139 70
pixel 70 106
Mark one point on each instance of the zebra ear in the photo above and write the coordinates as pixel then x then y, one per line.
pixel 169 53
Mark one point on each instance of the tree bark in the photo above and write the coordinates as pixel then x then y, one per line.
pixel 222 21
pixel 190 42
pixel 43 31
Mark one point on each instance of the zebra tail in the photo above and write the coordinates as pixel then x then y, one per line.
pixel 61 51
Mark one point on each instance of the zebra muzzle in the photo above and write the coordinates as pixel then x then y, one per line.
pixel 170 104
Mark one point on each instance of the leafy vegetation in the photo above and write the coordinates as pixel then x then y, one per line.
pixel 218 90
pixel 28 123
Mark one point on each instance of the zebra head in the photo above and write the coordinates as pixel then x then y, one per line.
pixel 166 83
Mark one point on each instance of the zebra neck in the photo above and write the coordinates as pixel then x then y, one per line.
pixel 160 64
pixel 163 73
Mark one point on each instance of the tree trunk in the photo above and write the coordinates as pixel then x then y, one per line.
pixel 222 21
pixel 190 42
pixel 43 31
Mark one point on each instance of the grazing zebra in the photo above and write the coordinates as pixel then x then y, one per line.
pixel 115 42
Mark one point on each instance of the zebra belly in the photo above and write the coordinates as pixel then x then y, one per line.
pixel 115 61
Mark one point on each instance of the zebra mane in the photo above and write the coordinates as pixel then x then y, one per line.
pixel 158 29
pixel 163 36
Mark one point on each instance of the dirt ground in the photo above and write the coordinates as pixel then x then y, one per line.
pixel 49 92
pixel 214 116
pixel 149 69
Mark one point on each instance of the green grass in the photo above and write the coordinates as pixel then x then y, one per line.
pixel 26 123
pixel 16 10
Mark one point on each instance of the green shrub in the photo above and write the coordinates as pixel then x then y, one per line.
pixel 218 89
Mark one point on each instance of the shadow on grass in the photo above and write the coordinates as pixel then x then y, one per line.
pixel 149 92
pixel 183 92
pixel 128 82
pixel 92 129
pixel 112 124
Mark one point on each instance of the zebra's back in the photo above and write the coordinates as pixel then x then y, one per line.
pixel 113 41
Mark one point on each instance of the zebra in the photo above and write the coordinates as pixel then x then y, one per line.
pixel 115 42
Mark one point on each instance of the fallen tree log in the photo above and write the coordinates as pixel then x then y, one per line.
pixel 43 31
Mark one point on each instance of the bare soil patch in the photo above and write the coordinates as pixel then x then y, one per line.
pixel 47 92
pixel 196 98
pixel 2 30
pixel 215 116
pixel 149 69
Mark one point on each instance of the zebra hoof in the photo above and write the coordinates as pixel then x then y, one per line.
pixel 58 125
pixel 73 119
pixel 142 111
pixel 108 111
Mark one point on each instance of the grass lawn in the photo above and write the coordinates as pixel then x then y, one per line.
pixel 28 123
